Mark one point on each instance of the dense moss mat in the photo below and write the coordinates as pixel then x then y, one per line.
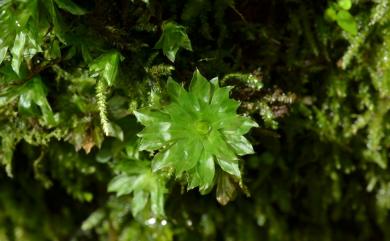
pixel 314 76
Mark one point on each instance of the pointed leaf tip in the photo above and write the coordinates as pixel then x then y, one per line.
pixel 175 91
pixel 200 87
pixel 230 167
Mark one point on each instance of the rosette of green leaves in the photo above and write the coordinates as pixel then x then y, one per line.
pixel 197 130
pixel 135 177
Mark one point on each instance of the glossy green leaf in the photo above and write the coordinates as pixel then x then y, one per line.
pixel 70 6
pixel 178 156
pixel 239 143
pixel 172 39
pixel 161 160
pixel 17 51
pixel 32 96
pixel 203 174
pixel 107 66
pixel 148 117
pixel 139 202
pixel 189 155
pixel 111 68
pixel 200 87
pixel 56 19
pixel 181 112
pixel 3 53
pixel 54 51
pixel 155 136
pixel 216 144
pixel 157 198
pixel 206 170
pixel 346 21
pixel 221 101
pixel 120 185
pixel 233 124
pixel 174 90
pixel 230 167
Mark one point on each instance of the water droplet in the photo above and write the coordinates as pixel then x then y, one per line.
pixel 189 222
pixel 151 221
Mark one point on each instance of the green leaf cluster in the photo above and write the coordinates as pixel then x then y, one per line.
pixel 137 178
pixel 172 39
pixel 339 12
pixel 198 129
pixel 107 134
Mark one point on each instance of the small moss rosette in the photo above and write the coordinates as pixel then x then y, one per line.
pixel 196 130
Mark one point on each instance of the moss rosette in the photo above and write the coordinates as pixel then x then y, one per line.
pixel 199 128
